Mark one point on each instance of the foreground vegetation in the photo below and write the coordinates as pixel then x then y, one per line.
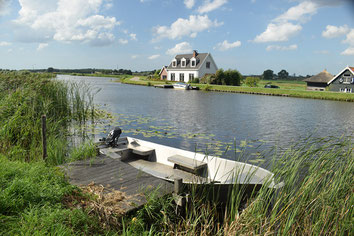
pixel 35 197
pixel 316 199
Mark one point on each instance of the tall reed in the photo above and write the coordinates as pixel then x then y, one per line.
pixel 24 97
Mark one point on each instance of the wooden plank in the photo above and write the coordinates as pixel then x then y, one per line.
pixel 117 175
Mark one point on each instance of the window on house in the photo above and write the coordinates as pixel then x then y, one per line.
pixel 173 76
pixel 347 79
pixel 174 63
pixel 191 76
pixel 181 77
pixel 183 63
pixel 208 65
pixel 193 62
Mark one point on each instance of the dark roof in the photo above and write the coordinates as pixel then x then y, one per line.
pixel 200 58
pixel 322 77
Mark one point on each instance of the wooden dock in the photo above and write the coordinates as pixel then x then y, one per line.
pixel 116 175
pixel 163 86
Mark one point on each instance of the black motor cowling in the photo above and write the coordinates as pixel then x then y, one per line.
pixel 112 137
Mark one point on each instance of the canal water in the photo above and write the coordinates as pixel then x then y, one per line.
pixel 222 124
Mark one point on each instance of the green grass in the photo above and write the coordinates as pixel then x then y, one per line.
pixel 31 202
pixel 287 88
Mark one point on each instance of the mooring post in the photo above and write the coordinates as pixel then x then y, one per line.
pixel 178 185
pixel 44 136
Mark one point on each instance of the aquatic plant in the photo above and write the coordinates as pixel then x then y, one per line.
pixel 24 98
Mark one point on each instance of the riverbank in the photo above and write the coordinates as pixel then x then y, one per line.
pixel 36 198
pixel 295 91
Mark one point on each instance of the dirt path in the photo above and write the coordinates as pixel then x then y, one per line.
pixel 135 79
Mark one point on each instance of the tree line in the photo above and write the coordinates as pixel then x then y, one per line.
pixel 282 75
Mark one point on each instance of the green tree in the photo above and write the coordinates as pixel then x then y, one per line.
pixel 283 74
pixel 252 81
pixel 219 75
pixel 268 75
pixel 50 70
pixel 232 77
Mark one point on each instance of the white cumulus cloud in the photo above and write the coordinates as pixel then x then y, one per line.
pixel 41 46
pixel 189 3
pixel 123 41
pixel 133 37
pixel 278 32
pixel 4 43
pixel 334 31
pixel 301 12
pixel 348 52
pixel 4 7
pixel 67 21
pixel 288 24
pixel 180 48
pixel 185 27
pixel 281 48
pixel 211 5
pixel 350 38
pixel 153 57
pixel 337 31
pixel 225 45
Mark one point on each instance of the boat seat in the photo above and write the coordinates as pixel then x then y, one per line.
pixel 187 162
pixel 141 150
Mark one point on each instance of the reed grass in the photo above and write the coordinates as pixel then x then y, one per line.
pixel 24 97
pixel 316 199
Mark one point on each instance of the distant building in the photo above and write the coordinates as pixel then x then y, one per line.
pixel 319 82
pixel 186 67
pixel 344 81
pixel 163 73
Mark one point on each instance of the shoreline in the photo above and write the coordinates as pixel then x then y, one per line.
pixel 321 95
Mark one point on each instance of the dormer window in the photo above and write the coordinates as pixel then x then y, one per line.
pixel 193 62
pixel 174 63
pixel 183 62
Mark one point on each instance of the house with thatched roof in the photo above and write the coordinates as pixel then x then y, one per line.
pixel 319 82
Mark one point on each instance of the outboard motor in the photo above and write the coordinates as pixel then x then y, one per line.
pixel 112 137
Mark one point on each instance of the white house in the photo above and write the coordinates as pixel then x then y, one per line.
pixel 186 67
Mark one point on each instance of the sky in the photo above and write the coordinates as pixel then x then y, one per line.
pixel 303 37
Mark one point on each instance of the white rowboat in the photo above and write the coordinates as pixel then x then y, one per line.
pixel 170 163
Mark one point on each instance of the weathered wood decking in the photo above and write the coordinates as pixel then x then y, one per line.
pixel 114 174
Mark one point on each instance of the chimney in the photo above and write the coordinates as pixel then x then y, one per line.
pixel 195 53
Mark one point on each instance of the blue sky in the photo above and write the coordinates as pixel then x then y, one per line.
pixel 300 36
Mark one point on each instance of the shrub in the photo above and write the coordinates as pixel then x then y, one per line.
pixel 195 81
pixel 252 81
pixel 208 79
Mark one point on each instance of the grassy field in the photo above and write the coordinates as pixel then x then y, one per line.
pixel 287 88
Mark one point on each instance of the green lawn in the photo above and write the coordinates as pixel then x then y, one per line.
pixel 287 88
